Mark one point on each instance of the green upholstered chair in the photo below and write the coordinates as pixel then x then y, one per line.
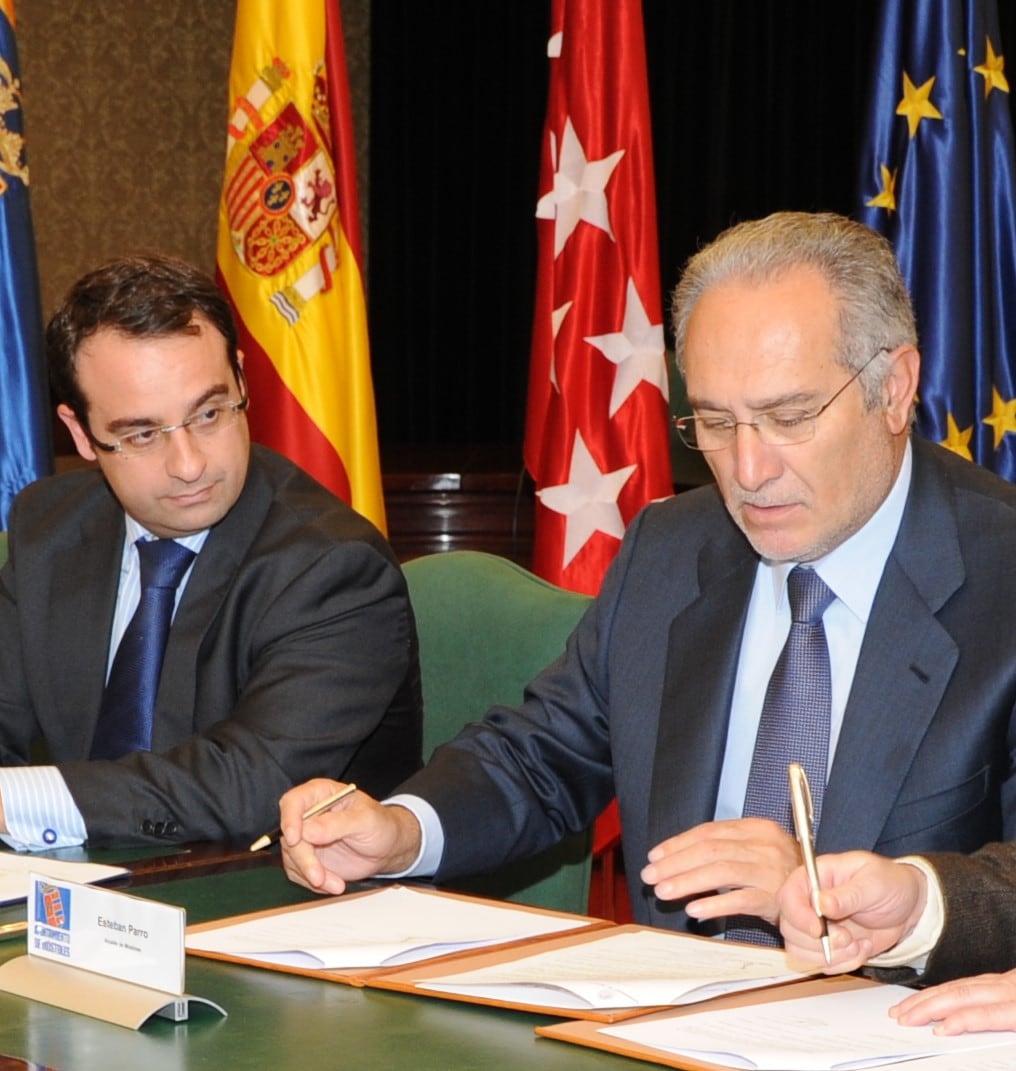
pixel 3 547
pixel 487 627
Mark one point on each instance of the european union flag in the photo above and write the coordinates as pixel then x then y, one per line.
pixel 25 438
pixel 938 179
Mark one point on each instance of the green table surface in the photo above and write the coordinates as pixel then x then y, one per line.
pixel 281 1020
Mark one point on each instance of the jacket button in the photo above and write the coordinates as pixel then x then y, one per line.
pixel 148 826
pixel 160 828
pixel 172 828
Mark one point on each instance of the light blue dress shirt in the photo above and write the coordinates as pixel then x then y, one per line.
pixel 39 810
pixel 852 572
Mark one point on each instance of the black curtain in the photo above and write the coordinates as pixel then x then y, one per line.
pixel 458 92
pixel 757 106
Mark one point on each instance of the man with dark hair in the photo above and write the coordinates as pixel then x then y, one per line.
pixel 838 599
pixel 291 648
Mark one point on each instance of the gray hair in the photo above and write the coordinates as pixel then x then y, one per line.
pixel 875 313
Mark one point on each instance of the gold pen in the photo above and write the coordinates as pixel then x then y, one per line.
pixel 804 827
pixel 270 838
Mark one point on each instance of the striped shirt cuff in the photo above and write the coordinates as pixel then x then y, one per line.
pixel 39 810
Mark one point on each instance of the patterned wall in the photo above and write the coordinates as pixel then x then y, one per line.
pixel 125 109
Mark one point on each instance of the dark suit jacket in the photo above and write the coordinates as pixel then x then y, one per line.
pixel 292 655
pixel 980 916
pixel 639 703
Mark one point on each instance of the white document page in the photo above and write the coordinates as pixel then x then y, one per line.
pixel 640 969
pixel 15 868
pixel 387 928
pixel 820 1033
pixel 1002 1058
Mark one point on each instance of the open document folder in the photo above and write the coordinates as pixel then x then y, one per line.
pixel 15 868
pixel 382 928
pixel 619 967
pixel 840 1025
pixel 623 968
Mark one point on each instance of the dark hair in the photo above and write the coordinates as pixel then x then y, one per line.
pixel 145 295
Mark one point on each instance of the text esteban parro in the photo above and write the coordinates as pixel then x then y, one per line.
pixel 130 936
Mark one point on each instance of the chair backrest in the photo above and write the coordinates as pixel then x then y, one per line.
pixel 487 627
pixel 3 547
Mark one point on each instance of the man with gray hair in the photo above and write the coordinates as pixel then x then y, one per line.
pixel 685 690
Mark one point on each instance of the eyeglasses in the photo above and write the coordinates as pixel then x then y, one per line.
pixel 774 427
pixel 208 421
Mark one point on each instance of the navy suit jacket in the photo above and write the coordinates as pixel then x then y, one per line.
pixel 638 705
pixel 292 655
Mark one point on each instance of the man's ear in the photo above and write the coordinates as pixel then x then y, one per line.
pixel 81 440
pixel 900 388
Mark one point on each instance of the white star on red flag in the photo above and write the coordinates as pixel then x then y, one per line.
pixel 588 500
pixel 557 318
pixel 637 349
pixel 579 191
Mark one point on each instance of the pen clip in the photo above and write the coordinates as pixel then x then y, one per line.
pixel 801 804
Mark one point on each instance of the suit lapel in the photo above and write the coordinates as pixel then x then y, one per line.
pixel 85 579
pixel 213 576
pixel 703 648
pixel 905 663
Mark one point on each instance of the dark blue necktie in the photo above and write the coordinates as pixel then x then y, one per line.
pixel 794 726
pixel 128 703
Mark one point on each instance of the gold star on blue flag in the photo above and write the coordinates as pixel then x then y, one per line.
pixel 25 442
pixel 939 123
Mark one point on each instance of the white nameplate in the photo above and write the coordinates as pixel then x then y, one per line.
pixel 108 933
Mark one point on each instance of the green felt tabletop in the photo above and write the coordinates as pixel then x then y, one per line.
pixel 281 1020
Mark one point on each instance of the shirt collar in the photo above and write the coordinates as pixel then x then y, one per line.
pixel 135 531
pixel 853 570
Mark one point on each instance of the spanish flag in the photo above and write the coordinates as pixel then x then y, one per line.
pixel 289 253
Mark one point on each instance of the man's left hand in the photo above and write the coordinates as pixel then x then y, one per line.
pixel 747 859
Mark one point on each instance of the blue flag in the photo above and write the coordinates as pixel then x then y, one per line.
pixel 25 438
pixel 938 179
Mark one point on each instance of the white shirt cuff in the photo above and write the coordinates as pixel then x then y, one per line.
pixel 914 949
pixel 431 837
pixel 39 810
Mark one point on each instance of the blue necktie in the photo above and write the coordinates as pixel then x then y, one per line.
pixel 128 703
pixel 794 726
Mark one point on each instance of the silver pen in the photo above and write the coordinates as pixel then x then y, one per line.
pixel 804 826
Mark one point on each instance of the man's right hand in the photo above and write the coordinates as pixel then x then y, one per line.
pixel 355 839
pixel 871 903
